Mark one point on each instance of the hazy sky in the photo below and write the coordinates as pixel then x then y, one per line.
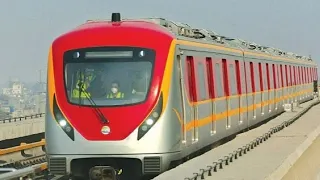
pixel 28 27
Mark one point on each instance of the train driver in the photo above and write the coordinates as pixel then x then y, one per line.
pixel 83 82
pixel 115 93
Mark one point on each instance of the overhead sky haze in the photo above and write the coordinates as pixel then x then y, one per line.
pixel 27 28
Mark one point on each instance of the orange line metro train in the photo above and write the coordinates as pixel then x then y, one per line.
pixel 141 94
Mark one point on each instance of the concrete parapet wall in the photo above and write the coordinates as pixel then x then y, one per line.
pixel 21 128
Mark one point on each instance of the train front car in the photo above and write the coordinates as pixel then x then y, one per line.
pixel 107 92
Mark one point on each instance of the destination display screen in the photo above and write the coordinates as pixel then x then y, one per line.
pixel 109 54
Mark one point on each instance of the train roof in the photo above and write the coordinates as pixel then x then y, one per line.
pixel 186 32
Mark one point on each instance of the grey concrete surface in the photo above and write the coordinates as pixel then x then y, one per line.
pixel 264 161
pixel 21 128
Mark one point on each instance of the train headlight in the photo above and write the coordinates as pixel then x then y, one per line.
pixel 149 122
pixel 63 123
pixel 151 119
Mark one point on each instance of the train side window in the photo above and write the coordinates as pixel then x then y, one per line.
pixel 191 79
pixel 301 76
pixel 274 74
pixel 269 77
pixel 285 76
pixel 201 82
pixel 248 77
pixel 281 76
pixel 225 77
pixel 261 77
pixel 289 75
pixel 210 78
pixel 233 82
pixel 256 78
pixel 293 75
pixel 310 74
pixel 304 75
pixel 253 87
pixel 240 84
pixel 218 81
pixel 298 75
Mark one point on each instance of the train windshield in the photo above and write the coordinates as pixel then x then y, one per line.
pixel 108 76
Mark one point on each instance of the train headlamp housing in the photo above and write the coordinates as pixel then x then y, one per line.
pixel 61 120
pixel 151 119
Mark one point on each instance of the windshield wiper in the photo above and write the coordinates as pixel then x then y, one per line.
pixel 102 118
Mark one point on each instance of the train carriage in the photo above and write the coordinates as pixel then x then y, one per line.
pixel 182 90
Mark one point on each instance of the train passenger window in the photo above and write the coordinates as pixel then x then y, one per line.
pixel 233 82
pixel 240 85
pixel 253 81
pixel 281 76
pixel 289 75
pixel 191 79
pixel 304 75
pixel 309 74
pixel 274 74
pixel 285 76
pixel 218 81
pixel 261 75
pixel 248 77
pixel 300 75
pixel 269 76
pixel 264 77
pixel 211 86
pixel 257 78
pixel 201 81
pixel 225 77
pixel 293 75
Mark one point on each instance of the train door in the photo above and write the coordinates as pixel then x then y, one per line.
pixel 182 97
pixel 193 107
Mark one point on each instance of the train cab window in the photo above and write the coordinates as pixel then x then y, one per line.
pixel 201 81
pixel 218 80
pixel 110 76
pixel 232 82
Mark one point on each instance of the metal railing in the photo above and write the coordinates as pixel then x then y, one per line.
pixel 16 119
pixel 23 147
pixel 26 167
